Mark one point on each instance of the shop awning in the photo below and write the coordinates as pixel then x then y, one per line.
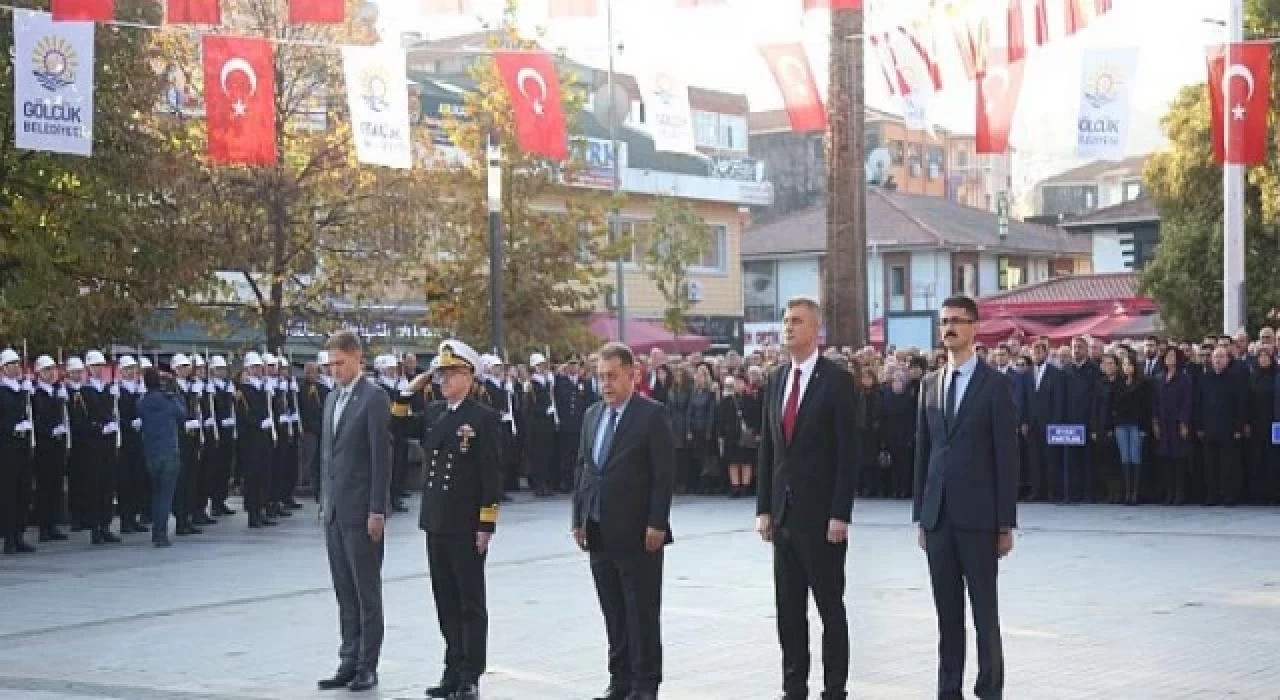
pixel 643 336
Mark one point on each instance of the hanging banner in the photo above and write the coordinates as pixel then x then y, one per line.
pixel 1106 77
pixel 668 116
pixel 53 84
pixel 378 97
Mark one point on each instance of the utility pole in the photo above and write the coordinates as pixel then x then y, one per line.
pixel 615 117
pixel 845 277
pixel 1233 288
pixel 494 155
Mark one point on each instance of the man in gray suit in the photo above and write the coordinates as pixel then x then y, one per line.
pixel 355 468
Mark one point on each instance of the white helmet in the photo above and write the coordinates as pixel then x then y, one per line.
pixel 93 357
pixel 179 360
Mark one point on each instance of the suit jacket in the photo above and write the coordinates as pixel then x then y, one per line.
pixel 971 465
pixel 810 480
pixel 1046 405
pixel 355 456
pixel 635 484
pixel 463 479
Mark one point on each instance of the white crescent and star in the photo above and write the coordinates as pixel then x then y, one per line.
pixel 997 74
pixel 1237 70
pixel 524 76
pixel 231 67
pixel 795 75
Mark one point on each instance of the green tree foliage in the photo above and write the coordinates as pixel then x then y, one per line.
pixel 90 246
pixel 677 239
pixel 1186 275
pixel 553 247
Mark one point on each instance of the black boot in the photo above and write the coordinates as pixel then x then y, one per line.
pixel 107 536
pixel 95 536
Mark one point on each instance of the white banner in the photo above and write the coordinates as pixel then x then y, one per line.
pixel 378 97
pixel 53 84
pixel 1106 79
pixel 665 95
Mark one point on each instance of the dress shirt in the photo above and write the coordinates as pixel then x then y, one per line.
pixel 961 381
pixel 806 373
pixel 602 428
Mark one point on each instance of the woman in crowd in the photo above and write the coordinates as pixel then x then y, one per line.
pixel 736 436
pixel 1261 412
pixel 701 432
pixel 662 384
pixel 898 412
pixel 678 397
pixel 875 476
pixel 1102 428
pixel 1133 409
pixel 1171 425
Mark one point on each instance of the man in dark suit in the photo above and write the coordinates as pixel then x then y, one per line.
pixel 621 515
pixel 1043 404
pixel 966 499
pixel 355 468
pixel 804 502
pixel 460 497
pixel 1080 385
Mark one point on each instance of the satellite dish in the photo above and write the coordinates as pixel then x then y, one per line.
pixel 878 164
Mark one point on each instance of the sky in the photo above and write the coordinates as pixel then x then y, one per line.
pixel 718 47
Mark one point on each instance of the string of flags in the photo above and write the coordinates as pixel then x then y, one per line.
pixel 204 12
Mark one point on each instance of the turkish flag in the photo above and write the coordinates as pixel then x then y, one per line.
pixel 193 12
pixel 972 35
pixel 925 49
pixel 832 5
pixel 1075 18
pixel 317 11
pixel 534 90
pixel 1101 7
pixel 790 67
pixel 239 93
pixel 1017 31
pixel 573 8
pixel 884 56
pixel 998 88
pixel 1042 22
pixel 1239 98
pixel 84 10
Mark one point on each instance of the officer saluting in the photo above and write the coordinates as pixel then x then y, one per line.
pixel 461 490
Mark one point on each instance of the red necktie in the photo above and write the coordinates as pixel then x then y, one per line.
pixel 793 404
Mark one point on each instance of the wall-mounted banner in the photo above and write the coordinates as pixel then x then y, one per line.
pixel 53 85
pixel 378 97
pixel 1106 80
pixel 667 113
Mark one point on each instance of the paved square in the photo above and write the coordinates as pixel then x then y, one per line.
pixel 1098 602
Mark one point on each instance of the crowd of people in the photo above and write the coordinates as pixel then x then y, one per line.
pixel 1160 420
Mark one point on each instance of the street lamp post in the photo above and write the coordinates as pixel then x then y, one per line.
pixel 1233 285
pixel 494 155
pixel 614 116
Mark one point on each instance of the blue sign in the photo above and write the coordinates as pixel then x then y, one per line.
pixel 1275 433
pixel 1065 435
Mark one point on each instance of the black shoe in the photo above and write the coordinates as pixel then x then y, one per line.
pixel 642 695
pixel 340 679
pixel 10 545
pixel 202 519
pixel 445 689
pixel 95 537
pixel 467 691
pixel 364 680
pixel 161 542
pixel 223 511
pixel 283 513
pixel 108 537
pixel 52 535
pixel 399 507
pixel 268 522
pixel 22 546
pixel 615 692
pixel 292 504
pixel 79 527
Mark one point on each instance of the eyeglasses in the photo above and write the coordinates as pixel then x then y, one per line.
pixel 956 321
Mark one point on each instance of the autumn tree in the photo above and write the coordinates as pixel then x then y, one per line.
pixel 317 233
pixel 1186 275
pixel 676 240
pixel 554 247
pixel 90 246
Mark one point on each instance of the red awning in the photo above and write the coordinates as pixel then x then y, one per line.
pixel 1103 326
pixel 644 336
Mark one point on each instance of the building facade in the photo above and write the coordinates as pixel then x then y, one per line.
pixel 1095 185
pixel 1124 236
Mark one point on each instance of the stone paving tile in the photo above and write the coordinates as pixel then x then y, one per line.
pixel 1098 602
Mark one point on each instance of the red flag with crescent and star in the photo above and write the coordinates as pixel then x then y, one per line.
pixel 998 88
pixel 317 11
pixel 1240 98
pixel 1042 22
pixel 790 67
pixel 83 10
pixel 193 12
pixel 534 90
pixel 239 93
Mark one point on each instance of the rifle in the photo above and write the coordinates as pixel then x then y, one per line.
pixel 30 413
pixel 115 397
pixel 199 405
pixel 280 358
pixel 66 415
pixel 213 404
pixel 271 411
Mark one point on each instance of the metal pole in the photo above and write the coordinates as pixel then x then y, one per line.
pixel 1233 291
pixel 619 295
pixel 495 245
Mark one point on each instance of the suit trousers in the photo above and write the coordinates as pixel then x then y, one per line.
pixel 217 470
pixel 1039 458
pixel 630 591
pixel 457 583
pixel 568 450
pixel 803 562
pixel 255 461
pixel 50 467
pixel 186 493
pixel 284 472
pixel 355 565
pixel 15 490
pixel 1222 472
pixel 100 483
pixel 961 560
pixel 78 481
pixel 131 480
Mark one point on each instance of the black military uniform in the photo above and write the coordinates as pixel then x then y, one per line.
pixel 186 493
pixel 92 412
pixel 256 445
pixel 543 460
pixel 224 413
pixel 284 475
pixel 48 403
pixel 210 445
pixel 311 398
pixel 403 418
pixel 15 466
pixel 573 397
pixel 131 472
pixel 78 459
pixel 461 490
pixel 504 399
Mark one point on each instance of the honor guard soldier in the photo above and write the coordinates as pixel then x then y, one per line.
pixel 287 485
pixel 53 446
pixel 504 399
pixel 202 490
pixel 543 422
pixel 131 468
pixel 573 397
pixel 190 442
pixel 276 392
pixel 402 419
pixel 77 460
pixel 257 440
pixel 100 438
pixel 461 490
pixel 16 452
pixel 223 407
pixel 312 392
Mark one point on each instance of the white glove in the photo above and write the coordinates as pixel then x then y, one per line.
pixel 192 425
pixel 59 430
pixel 507 418
pixel 114 390
pixel 551 411
pixel 110 428
pixel 293 385
pixel 23 428
pixel 297 418
pixel 197 387
pixel 406 394
pixel 266 424
pixel 284 418
pixel 27 387
pixel 62 393
pixel 137 424
pixel 228 422
pixel 209 422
